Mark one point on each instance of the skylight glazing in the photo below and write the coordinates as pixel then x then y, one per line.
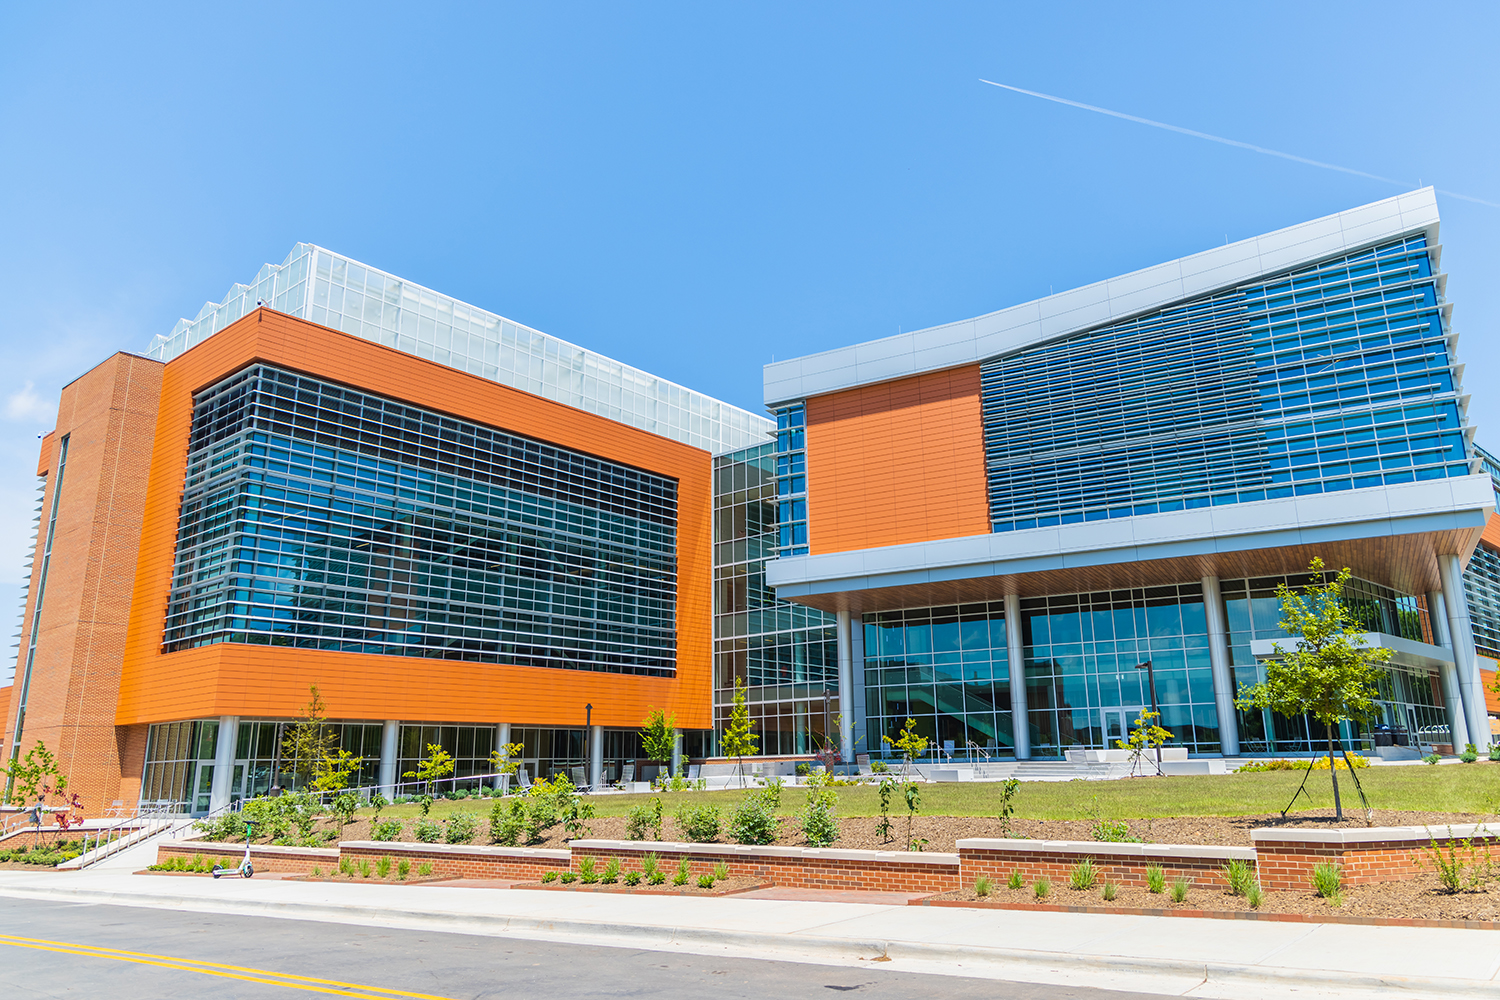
pixel 324 287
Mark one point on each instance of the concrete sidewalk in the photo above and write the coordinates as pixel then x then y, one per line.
pixel 1236 960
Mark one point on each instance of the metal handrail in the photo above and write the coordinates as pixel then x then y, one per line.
pixel 140 825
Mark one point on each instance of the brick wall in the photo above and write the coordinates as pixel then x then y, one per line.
pixel 1382 854
pixel 265 859
pixel 109 416
pixel 1125 864
pixel 890 871
pixel 464 860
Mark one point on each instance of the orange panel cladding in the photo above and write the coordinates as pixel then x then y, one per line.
pixel 1491 536
pixel 108 417
pixel 896 462
pixel 254 680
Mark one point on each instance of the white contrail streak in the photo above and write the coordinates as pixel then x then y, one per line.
pixel 1227 142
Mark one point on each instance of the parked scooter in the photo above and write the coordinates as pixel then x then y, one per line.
pixel 245 868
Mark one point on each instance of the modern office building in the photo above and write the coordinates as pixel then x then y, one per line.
pixel 466 532
pixel 1010 515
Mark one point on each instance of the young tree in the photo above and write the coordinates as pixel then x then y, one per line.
pixel 659 735
pixel 1327 671
pixel 332 771
pixel 1148 735
pixel 507 761
pixel 309 740
pixel 28 776
pixel 437 764
pixel 739 741
pixel 909 743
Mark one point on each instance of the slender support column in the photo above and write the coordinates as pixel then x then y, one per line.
pixel 502 737
pixel 1218 658
pixel 1470 685
pixel 222 789
pixel 859 724
pixel 846 687
pixel 1453 705
pixel 390 733
pixel 677 751
pixel 596 758
pixel 1020 719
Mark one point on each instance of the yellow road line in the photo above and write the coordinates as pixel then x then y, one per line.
pixel 308 983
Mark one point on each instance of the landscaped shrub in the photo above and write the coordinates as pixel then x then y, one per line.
pixel 364 867
pixel 549 876
pixel 1180 890
pixel 226 828
pixel 1156 879
pixel 1254 896
pixel 461 828
pixel 346 867
pixel 643 819
pixel 651 868
pixel 879 766
pixel 721 872
pixel 611 873
pixel 427 831
pixel 1316 763
pixel 386 829
pixel 699 824
pixel 705 881
pixel 383 867
pixel 1084 875
pixel 632 878
pixel 1110 892
pixel 508 821
pixel 1041 888
pixel 819 825
pixel 1433 758
pixel 1326 879
pixel 1464 866
pixel 568 877
pixel 752 821
pixel 1470 754
pixel 425 869
pixel 982 887
pixel 681 877
pixel 586 873
pixel 1239 875
pixel 403 869
pixel 1015 881
pixel 803 769
pixel 1495 751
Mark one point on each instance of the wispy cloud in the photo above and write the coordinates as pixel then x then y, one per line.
pixel 29 407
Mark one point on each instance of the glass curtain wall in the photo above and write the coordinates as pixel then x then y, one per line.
pixel 179 772
pixel 1332 377
pixel 786 654
pixel 946 668
pixel 1411 698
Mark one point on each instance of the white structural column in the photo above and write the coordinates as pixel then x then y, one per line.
pixel 677 751
pixel 858 725
pixel 1470 686
pixel 502 737
pixel 1020 719
pixel 1218 659
pixel 846 687
pixel 1453 705
pixel 596 757
pixel 229 734
pixel 390 732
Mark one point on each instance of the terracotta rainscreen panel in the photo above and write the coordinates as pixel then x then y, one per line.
pixel 896 462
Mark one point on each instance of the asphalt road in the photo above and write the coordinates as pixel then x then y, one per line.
pixel 131 953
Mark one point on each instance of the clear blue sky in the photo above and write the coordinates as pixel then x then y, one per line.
pixel 694 188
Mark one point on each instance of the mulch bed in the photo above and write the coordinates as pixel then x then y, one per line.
pixel 942 832
pixel 1419 898
pixel 356 880
pixel 724 887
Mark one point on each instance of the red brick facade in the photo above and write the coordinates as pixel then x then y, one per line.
pixel 464 861
pixel 1125 864
pixel 265 859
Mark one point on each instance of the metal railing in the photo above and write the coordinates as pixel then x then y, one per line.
pixel 144 823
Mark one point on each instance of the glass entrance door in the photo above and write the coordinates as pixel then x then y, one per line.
pixel 1117 722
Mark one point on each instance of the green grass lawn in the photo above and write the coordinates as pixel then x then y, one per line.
pixel 1459 789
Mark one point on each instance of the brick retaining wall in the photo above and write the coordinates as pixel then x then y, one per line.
pixel 796 867
pixel 1125 864
pixel 265 858
pixel 464 860
pixel 1382 854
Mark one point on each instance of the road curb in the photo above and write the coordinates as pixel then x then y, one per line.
pixel 1019 964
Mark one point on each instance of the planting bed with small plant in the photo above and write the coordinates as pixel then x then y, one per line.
pixel 45 852
pixel 648 876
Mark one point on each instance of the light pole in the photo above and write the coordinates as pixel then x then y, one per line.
pixel 1156 711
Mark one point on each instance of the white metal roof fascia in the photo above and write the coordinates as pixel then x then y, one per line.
pixel 1261 523
pixel 1408 651
pixel 1109 301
